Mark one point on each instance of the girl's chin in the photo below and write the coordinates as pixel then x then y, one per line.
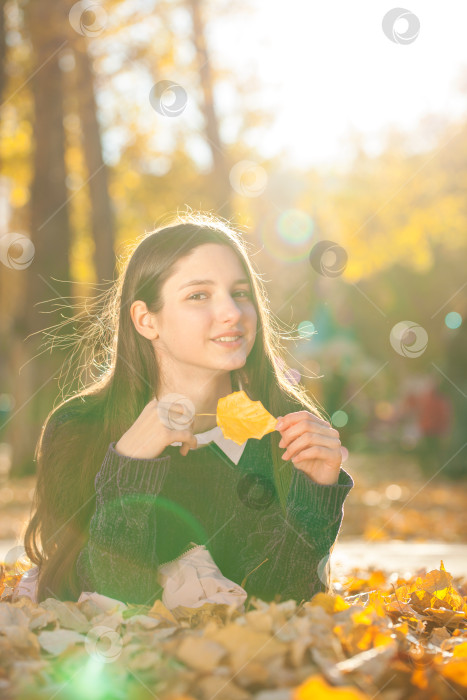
pixel 234 362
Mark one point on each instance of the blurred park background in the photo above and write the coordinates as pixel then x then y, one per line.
pixel 343 162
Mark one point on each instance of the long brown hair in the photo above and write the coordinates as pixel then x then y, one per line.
pixel 77 432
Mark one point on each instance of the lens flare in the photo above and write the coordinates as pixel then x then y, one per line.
pixel 290 240
pixel 293 376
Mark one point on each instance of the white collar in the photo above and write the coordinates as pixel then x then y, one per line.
pixel 229 447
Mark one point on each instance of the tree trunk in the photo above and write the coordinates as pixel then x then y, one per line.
pixel 2 50
pixel 47 277
pixel 220 181
pixel 102 214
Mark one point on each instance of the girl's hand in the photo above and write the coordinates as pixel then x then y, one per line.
pixel 312 444
pixel 149 436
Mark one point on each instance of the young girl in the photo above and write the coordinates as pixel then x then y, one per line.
pixel 122 490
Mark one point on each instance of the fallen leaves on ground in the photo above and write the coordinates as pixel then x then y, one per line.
pixel 405 640
pixel 392 499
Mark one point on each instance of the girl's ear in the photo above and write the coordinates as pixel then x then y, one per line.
pixel 144 322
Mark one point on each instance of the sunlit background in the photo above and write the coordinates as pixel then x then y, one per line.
pixel 324 74
pixel 333 84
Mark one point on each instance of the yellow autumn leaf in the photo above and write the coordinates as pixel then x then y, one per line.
pixel 317 688
pixel 460 651
pixel 330 603
pixel 456 671
pixel 240 418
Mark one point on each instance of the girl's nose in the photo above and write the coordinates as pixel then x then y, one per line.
pixel 228 310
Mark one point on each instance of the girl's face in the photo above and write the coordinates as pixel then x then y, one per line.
pixel 207 297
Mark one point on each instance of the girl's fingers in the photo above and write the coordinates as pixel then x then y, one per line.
pixel 188 441
pixel 292 418
pixel 310 440
pixel 318 452
pixel 301 428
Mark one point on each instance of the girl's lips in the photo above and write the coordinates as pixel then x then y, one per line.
pixel 229 343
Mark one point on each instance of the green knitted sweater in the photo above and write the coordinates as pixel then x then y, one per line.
pixel 150 511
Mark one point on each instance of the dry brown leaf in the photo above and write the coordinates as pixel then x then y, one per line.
pixel 56 641
pixel 200 654
pixel 147 622
pixel 369 661
pixel 41 618
pixel 68 615
pixel 159 610
pixel 21 639
pixel 331 647
pixel 244 644
pixel 221 688
pixel 200 616
pixel 145 659
pixel 10 614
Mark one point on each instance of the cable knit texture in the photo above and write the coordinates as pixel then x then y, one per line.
pixel 150 511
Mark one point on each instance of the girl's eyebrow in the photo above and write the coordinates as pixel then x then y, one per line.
pixel 243 280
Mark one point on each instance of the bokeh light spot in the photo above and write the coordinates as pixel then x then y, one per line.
pixel 393 492
pixel 339 419
pixel 384 410
pixel 306 329
pixel 453 320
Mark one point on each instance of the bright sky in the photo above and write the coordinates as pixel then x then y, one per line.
pixel 331 70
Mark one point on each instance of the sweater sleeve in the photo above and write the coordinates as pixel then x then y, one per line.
pixel 315 512
pixel 309 501
pixel 297 544
pixel 119 559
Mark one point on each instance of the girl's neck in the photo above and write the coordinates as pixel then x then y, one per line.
pixel 203 395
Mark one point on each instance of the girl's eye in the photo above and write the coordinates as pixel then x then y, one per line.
pixel 243 292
